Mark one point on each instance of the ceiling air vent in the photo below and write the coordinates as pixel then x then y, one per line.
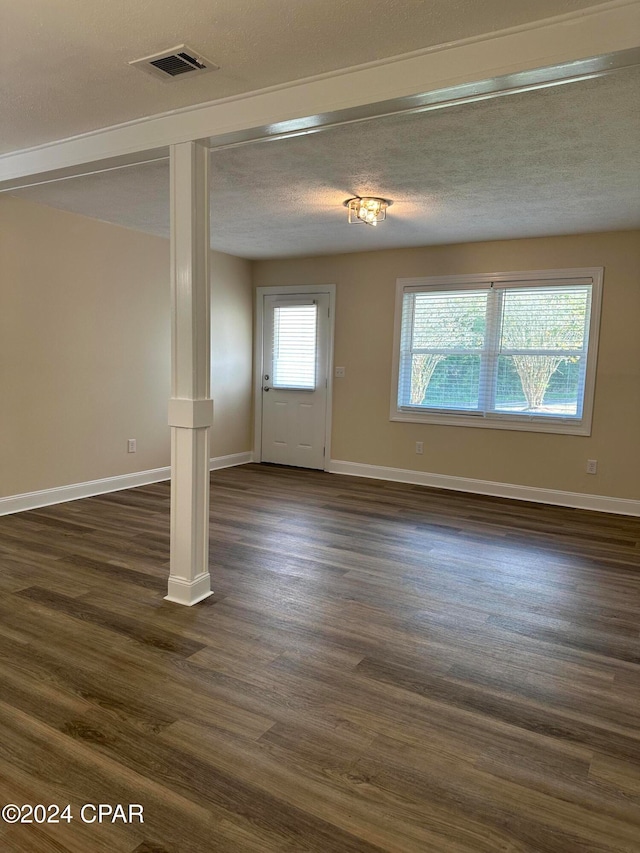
pixel 177 62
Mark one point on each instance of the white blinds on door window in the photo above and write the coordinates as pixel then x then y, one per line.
pixel 500 349
pixel 294 346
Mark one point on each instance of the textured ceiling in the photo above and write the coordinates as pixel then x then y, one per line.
pixel 64 70
pixel 555 161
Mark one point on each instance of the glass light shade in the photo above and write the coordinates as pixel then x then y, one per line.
pixel 368 209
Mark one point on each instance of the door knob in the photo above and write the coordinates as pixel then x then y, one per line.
pixel 265 388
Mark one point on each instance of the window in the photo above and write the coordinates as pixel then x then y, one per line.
pixel 294 346
pixel 508 350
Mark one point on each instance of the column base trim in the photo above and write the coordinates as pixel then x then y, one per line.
pixel 189 593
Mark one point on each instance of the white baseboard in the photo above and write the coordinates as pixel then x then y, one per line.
pixel 229 461
pixel 61 494
pixel 76 491
pixel 578 500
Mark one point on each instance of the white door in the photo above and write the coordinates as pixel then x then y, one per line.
pixel 294 379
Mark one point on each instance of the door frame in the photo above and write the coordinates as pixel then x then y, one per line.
pixel 290 290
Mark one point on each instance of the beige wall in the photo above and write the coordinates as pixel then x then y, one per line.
pixel 362 431
pixel 231 354
pixel 85 349
pixel 84 356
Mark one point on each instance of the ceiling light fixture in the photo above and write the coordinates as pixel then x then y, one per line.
pixel 367 209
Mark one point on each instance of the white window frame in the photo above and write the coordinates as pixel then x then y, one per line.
pixel 529 423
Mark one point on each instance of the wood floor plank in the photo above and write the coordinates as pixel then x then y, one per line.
pixel 84 611
pixel 328 794
pixel 383 668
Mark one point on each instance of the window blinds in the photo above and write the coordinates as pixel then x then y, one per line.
pixel 294 346
pixel 495 349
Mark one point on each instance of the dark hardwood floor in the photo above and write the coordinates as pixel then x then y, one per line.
pixel 382 668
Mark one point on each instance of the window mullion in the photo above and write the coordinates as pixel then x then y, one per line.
pixel 489 362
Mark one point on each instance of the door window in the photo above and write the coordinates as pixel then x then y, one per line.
pixel 294 346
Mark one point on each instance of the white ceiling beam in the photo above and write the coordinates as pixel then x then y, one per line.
pixel 610 32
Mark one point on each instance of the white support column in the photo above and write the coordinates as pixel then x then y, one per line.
pixel 190 407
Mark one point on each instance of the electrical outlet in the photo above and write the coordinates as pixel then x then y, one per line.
pixel 131 445
pixel 419 446
pixel 592 466
pixel 339 372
